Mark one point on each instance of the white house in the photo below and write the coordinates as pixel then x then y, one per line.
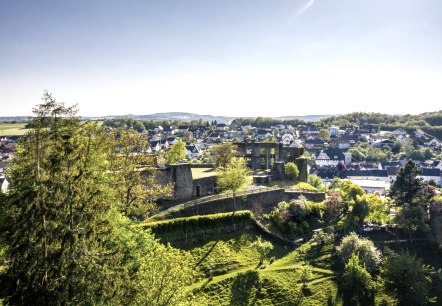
pixel 434 143
pixel 329 158
pixel 334 130
pixel 402 138
pixel 431 174
pixel 372 186
pixel 193 151
pixel 287 139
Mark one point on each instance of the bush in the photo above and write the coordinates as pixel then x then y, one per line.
pixel 367 253
pixel 291 171
pixel 196 223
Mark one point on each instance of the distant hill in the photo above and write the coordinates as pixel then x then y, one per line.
pixel 187 117
pixel 176 116
pixel 14 118
pixel 306 117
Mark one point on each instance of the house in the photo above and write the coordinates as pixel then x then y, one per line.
pixel 287 139
pixel 399 132
pixel 183 128
pixel 428 174
pixel 434 143
pixel 222 127
pixel 383 144
pixel 213 136
pixel 419 133
pixel 309 130
pixel 392 172
pixel 341 144
pixel 262 134
pixel 168 130
pixel 172 140
pixel 193 151
pixel 351 138
pixel 329 158
pixel 402 138
pixel 155 146
pixel 378 138
pixel 375 174
pixel 4 185
pixel 278 127
pixel 372 186
pixel 334 131
pixel 314 143
pixel 385 164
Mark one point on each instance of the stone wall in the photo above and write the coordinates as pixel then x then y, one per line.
pixel 264 199
pixel 204 186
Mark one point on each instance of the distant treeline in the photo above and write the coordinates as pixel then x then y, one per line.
pixel 430 123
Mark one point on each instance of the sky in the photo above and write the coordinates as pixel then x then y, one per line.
pixel 228 58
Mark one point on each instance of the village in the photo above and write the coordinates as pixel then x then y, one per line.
pixel 369 157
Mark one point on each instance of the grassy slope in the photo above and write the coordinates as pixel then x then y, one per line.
pixel 237 275
pixel 12 129
pixel 239 280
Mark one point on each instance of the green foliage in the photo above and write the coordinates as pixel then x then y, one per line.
pixel 411 193
pixel 223 154
pixel 197 223
pixel 367 253
pixel 408 188
pixel 135 184
pixel 407 278
pixel 67 241
pixel 156 274
pixel 297 217
pixel 306 274
pixel 355 284
pixel 377 208
pixel 263 248
pixel 176 153
pixel 291 171
pixel 361 208
pixel 332 206
pixel 324 134
pixel 59 209
pixel 417 155
pixel 233 177
pixel 315 181
pixel 412 218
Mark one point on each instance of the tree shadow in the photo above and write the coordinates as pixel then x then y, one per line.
pixel 242 288
pixel 207 254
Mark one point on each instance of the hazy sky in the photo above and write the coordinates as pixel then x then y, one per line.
pixel 229 57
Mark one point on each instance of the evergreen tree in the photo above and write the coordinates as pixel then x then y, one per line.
pixel 408 188
pixel 59 207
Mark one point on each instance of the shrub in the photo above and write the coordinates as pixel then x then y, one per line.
pixel 367 253
pixel 196 223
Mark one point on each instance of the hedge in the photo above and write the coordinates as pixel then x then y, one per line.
pixel 197 223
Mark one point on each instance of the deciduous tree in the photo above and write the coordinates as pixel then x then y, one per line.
pixel 233 177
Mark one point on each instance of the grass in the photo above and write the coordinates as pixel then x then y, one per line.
pixel 291 184
pixel 239 279
pixel 13 129
pixel 198 173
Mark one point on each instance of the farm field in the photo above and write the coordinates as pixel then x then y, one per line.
pixel 12 129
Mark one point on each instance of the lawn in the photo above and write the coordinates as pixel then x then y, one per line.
pixel 12 129
pixel 198 173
